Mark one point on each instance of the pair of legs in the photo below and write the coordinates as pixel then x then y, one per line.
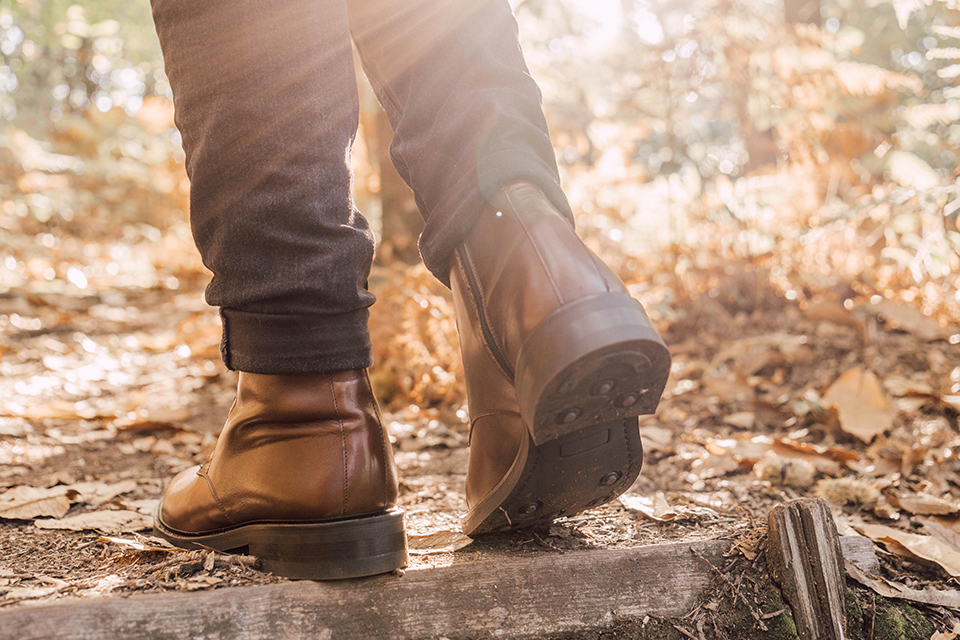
pixel 559 359
pixel 267 105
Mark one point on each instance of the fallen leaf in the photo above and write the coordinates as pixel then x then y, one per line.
pixel 60 477
pixel 104 585
pixel 27 503
pixel 103 521
pixel 922 504
pixel 143 544
pixel 147 506
pixel 713 466
pixel 728 385
pixel 53 507
pixel 439 542
pixel 197 583
pixel 833 453
pixel 874 468
pixel 747 451
pixel 744 449
pixel 884 510
pixel 906 318
pixel 657 508
pixel 888 589
pixel 97 493
pixel 755 353
pixel 18 594
pixel 925 547
pixel 860 405
pixel 900 386
pixel 832 311
pixel 942 533
pixel 952 523
pixel 57 582
pixel 750 543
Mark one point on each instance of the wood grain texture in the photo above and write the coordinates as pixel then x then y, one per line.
pixel 804 556
pixel 523 596
pixel 861 552
pixel 512 597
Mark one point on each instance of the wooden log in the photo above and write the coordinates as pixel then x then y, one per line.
pixel 861 552
pixel 505 597
pixel 804 556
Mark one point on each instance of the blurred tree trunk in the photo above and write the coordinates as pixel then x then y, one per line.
pixel 761 147
pixel 400 222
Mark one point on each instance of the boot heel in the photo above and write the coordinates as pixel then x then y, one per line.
pixel 353 548
pixel 592 361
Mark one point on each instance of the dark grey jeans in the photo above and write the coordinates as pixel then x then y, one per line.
pixel 266 101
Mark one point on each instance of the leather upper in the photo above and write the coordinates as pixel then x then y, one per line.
pixel 529 262
pixel 521 262
pixel 294 448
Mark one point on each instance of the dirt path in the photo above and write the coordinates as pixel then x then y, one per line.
pixel 105 395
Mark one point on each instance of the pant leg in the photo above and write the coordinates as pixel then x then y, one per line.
pixel 266 101
pixel 466 114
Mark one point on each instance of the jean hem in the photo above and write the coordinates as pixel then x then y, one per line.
pixel 277 344
pixel 465 202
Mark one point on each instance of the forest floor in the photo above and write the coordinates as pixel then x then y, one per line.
pixel 106 393
pixel 806 362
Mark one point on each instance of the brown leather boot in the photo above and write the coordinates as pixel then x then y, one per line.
pixel 559 361
pixel 302 477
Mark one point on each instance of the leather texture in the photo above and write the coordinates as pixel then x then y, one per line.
pixel 295 448
pixel 521 262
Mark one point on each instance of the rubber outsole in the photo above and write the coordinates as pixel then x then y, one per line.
pixel 577 471
pixel 325 550
pixel 583 376
pixel 592 361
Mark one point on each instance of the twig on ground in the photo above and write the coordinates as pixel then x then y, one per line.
pixel 736 590
pixel 547 544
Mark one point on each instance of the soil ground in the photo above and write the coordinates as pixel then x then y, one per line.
pixel 123 389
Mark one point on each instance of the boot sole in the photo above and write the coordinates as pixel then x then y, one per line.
pixel 593 361
pixel 577 471
pixel 328 550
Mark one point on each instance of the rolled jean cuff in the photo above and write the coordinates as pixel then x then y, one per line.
pixel 284 344
pixel 464 201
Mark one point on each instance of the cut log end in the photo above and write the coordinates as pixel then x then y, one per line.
pixel 804 556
